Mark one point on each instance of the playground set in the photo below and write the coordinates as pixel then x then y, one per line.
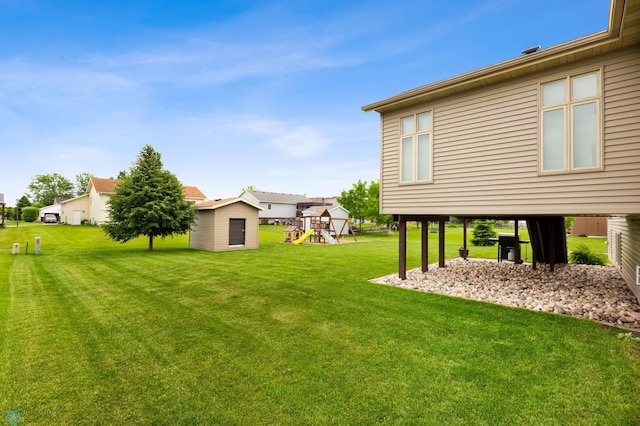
pixel 318 228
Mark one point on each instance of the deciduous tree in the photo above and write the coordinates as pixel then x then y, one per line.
pixel 363 202
pixel 82 181
pixel 45 189
pixel 149 201
pixel 355 200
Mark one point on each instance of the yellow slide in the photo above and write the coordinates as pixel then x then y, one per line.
pixel 303 237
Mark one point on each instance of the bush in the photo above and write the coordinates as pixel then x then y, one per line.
pixel 584 256
pixel 482 231
pixel 30 214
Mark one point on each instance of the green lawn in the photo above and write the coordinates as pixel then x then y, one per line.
pixel 95 332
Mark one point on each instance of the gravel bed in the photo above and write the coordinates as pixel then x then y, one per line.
pixel 595 292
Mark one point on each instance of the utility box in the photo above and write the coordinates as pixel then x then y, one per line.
pixel 15 249
pixel 37 246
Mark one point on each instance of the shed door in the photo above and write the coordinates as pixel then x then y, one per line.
pixel 236 232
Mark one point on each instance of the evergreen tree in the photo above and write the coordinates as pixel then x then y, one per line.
pixel 482 231
pixel 149 201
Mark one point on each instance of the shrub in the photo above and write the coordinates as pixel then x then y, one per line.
pixel 482 231
pixel 30 214
pixel 584 256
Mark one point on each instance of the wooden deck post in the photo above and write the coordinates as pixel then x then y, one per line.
pixel 552 247
pixel 402 246
pixel 425 246
pixel 441 244
pixel 517 243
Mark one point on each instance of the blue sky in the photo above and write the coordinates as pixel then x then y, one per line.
pixel 235 93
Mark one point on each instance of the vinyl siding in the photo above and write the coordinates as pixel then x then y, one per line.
pixel 486 151
pixel 212 227
pixel 67 208
pixel 624 248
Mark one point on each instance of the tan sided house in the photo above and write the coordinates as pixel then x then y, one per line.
pixel 554 132
pixel 226 224
pixel 92 206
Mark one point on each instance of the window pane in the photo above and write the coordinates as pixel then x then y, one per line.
pixel 408 125
pixel 407 160
pixel 584 86
pixel 424 157
pixel 553 140
pixel 424 121
pixel 553 93
pixel 584 135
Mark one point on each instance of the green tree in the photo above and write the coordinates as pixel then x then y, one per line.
pixel 30 214
pixel 82 182
pixel 45 189
pixel 10 213
pixel 482 231
pixel 355 200
pixel 149 201
pixel 21 204
pixel 373 205
pixel 363 202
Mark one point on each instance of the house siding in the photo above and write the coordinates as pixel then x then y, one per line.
pixel 212 227
pixel 486 151
pixel 67 208
pixel 98 207
pixel 624 248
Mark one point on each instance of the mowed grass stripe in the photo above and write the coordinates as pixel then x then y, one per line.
pixel 291 335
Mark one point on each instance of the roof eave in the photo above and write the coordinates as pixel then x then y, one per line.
pixel 455 84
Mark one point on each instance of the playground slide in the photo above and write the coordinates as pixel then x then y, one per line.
pixel 327 237
pixel 303 237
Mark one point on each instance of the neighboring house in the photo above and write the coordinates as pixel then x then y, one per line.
pixel 552 133
pixel 277 207
pixel 325 201
pixel 75 211
pixel 92 206
pixel 55 208
pixel 226 224
pixel 193 195
pixel 99 191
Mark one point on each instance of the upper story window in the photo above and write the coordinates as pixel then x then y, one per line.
pixel 571 123
pixel 416 148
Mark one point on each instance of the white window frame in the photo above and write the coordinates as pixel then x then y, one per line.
pixel 415 165
pixel 567 106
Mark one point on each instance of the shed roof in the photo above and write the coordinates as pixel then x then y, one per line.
pixel 623 31
pixel 216 204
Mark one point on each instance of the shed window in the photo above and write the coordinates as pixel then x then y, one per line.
pixel 571 122
pixel 416 151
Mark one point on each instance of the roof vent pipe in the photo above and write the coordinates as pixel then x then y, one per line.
pixel 531 50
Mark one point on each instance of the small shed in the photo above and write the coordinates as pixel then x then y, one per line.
pixel 225 224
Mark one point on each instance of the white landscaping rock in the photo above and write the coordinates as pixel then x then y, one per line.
pixel 594 292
